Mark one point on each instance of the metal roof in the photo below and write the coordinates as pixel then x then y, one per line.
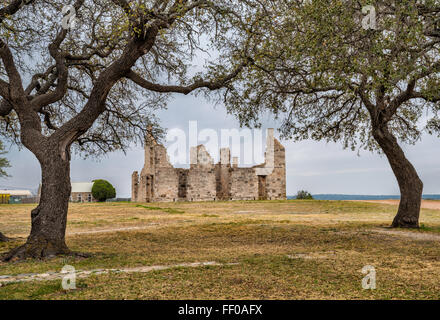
pixel 25 193
pixel 82 186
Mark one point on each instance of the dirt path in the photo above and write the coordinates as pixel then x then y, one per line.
pixel 414 235
pixel 87 273
pixel 426 204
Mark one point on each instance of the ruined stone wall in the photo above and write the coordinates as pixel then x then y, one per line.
pixel 166 182
pixel 150 160
pixel 201 184
pixel 183 183
pixel 166 178
pixel 223 182
pixel 223 175
pixel 135 187
pixel 142 189
pixel 204 181
pixel 244 184
pixel 201 180
pixel 276 182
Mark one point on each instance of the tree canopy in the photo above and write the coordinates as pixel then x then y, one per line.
pixel 304 195
pixel 103 190
pixel 68 76
pixel 4 162
pixel 95 82
pixel 324 74
pixel 330 74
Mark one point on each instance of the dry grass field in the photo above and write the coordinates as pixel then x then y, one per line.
pixel 230 250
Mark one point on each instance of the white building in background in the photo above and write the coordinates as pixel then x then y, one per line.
pixel 82 192
pixel 17 196
pixel 17 193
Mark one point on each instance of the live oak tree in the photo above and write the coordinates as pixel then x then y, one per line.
pixel 331 74
pixel 103 190
pixel 4 163
pixel 94 86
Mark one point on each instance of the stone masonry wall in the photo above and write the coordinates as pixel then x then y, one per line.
pixel 166 185
pixel 74 197
pixel 201 185
pixel 201 176
pixel 135 186
pixel 183 183
pixel 276 182
pixel 223 175
pixel 166 179
pixel 244 184
pixel 204 181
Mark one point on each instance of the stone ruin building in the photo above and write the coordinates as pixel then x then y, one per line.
pixel 159 181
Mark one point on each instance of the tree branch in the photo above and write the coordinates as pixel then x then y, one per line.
pixel 15 84
pixel 211 85
pixel 61 69
pixel 13 8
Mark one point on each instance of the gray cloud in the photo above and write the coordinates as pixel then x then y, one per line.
pixel 316 166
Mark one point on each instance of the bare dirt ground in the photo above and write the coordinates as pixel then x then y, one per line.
pixel 409 234
pixel 87 273
pixel 426 204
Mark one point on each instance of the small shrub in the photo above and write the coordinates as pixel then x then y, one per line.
pixel 103 190
pixel 304 195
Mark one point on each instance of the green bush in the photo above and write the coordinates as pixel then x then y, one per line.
pixel 304 195
pixel 103 190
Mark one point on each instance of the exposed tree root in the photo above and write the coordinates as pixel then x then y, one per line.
pixel 3 238
pixel 406 222
pixel 80 254
pixel 37 250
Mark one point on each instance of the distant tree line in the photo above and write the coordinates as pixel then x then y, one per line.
pixel 304 195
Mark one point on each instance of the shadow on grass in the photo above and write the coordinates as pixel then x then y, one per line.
pixel 167 210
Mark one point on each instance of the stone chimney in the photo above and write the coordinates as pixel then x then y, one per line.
pixel 235 162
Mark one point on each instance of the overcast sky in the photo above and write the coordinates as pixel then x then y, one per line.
pixel 316 167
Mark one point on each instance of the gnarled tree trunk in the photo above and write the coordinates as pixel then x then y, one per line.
pixel 47 237
pixel 411 187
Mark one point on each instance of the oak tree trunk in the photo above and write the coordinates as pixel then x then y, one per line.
pixel 47 237
pixel 411 187
pixel 3 238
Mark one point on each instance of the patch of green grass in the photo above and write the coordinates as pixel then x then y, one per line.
pixel 79 223
pixel 424 227
pixel 38 290
pixel 167 210
pixel 118 202
pixel 130 219
pixel 34 291
pixel 45 289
